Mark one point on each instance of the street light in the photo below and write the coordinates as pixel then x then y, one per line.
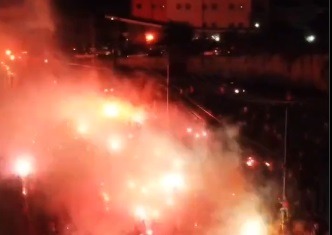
pixel 310 38
pixel 149 37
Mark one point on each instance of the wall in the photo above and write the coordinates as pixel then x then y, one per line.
pixel 154 10
pixel 226 13
pixel 307 69
pixel 198 13
pixel 185 11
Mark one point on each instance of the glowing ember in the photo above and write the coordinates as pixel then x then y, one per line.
pixel 250 162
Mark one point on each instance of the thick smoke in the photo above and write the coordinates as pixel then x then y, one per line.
pixel 106 160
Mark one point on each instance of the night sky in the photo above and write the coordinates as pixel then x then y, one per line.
pixel 118 7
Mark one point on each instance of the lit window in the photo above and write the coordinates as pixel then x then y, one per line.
pixel 231 6
pixel 178 6
pixel 214 6
pixel 188 6
pixel 139 6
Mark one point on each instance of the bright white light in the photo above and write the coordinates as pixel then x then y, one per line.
pixel 115 144
pixel 267 164
pixel 236 91
pixel 253 227
pixel 173 181
pixel 111 110
pixel 257 25
pixel 310 38
pixel 216 37
pixel 140 212
pixel 250 162
pixel 23 166
pixel 149 37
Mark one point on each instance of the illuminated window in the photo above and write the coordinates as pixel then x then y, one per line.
pixel 188 6
pixel 139 6
pixel 178 6
pixel 214 6
pixel 231 6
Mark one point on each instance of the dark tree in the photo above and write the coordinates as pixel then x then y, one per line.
pixel 178 37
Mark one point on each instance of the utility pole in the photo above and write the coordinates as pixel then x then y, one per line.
pixel 284 207
pixel 167 83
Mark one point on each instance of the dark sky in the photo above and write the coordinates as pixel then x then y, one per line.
pixel 118 7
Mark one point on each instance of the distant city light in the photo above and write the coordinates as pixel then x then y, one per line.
pixel 257 25
pixel 310 38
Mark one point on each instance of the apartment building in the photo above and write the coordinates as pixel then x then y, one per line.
pixel 211 14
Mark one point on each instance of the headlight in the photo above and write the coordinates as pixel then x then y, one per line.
pixel 254 226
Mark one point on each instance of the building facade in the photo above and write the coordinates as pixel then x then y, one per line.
pixel 212 14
